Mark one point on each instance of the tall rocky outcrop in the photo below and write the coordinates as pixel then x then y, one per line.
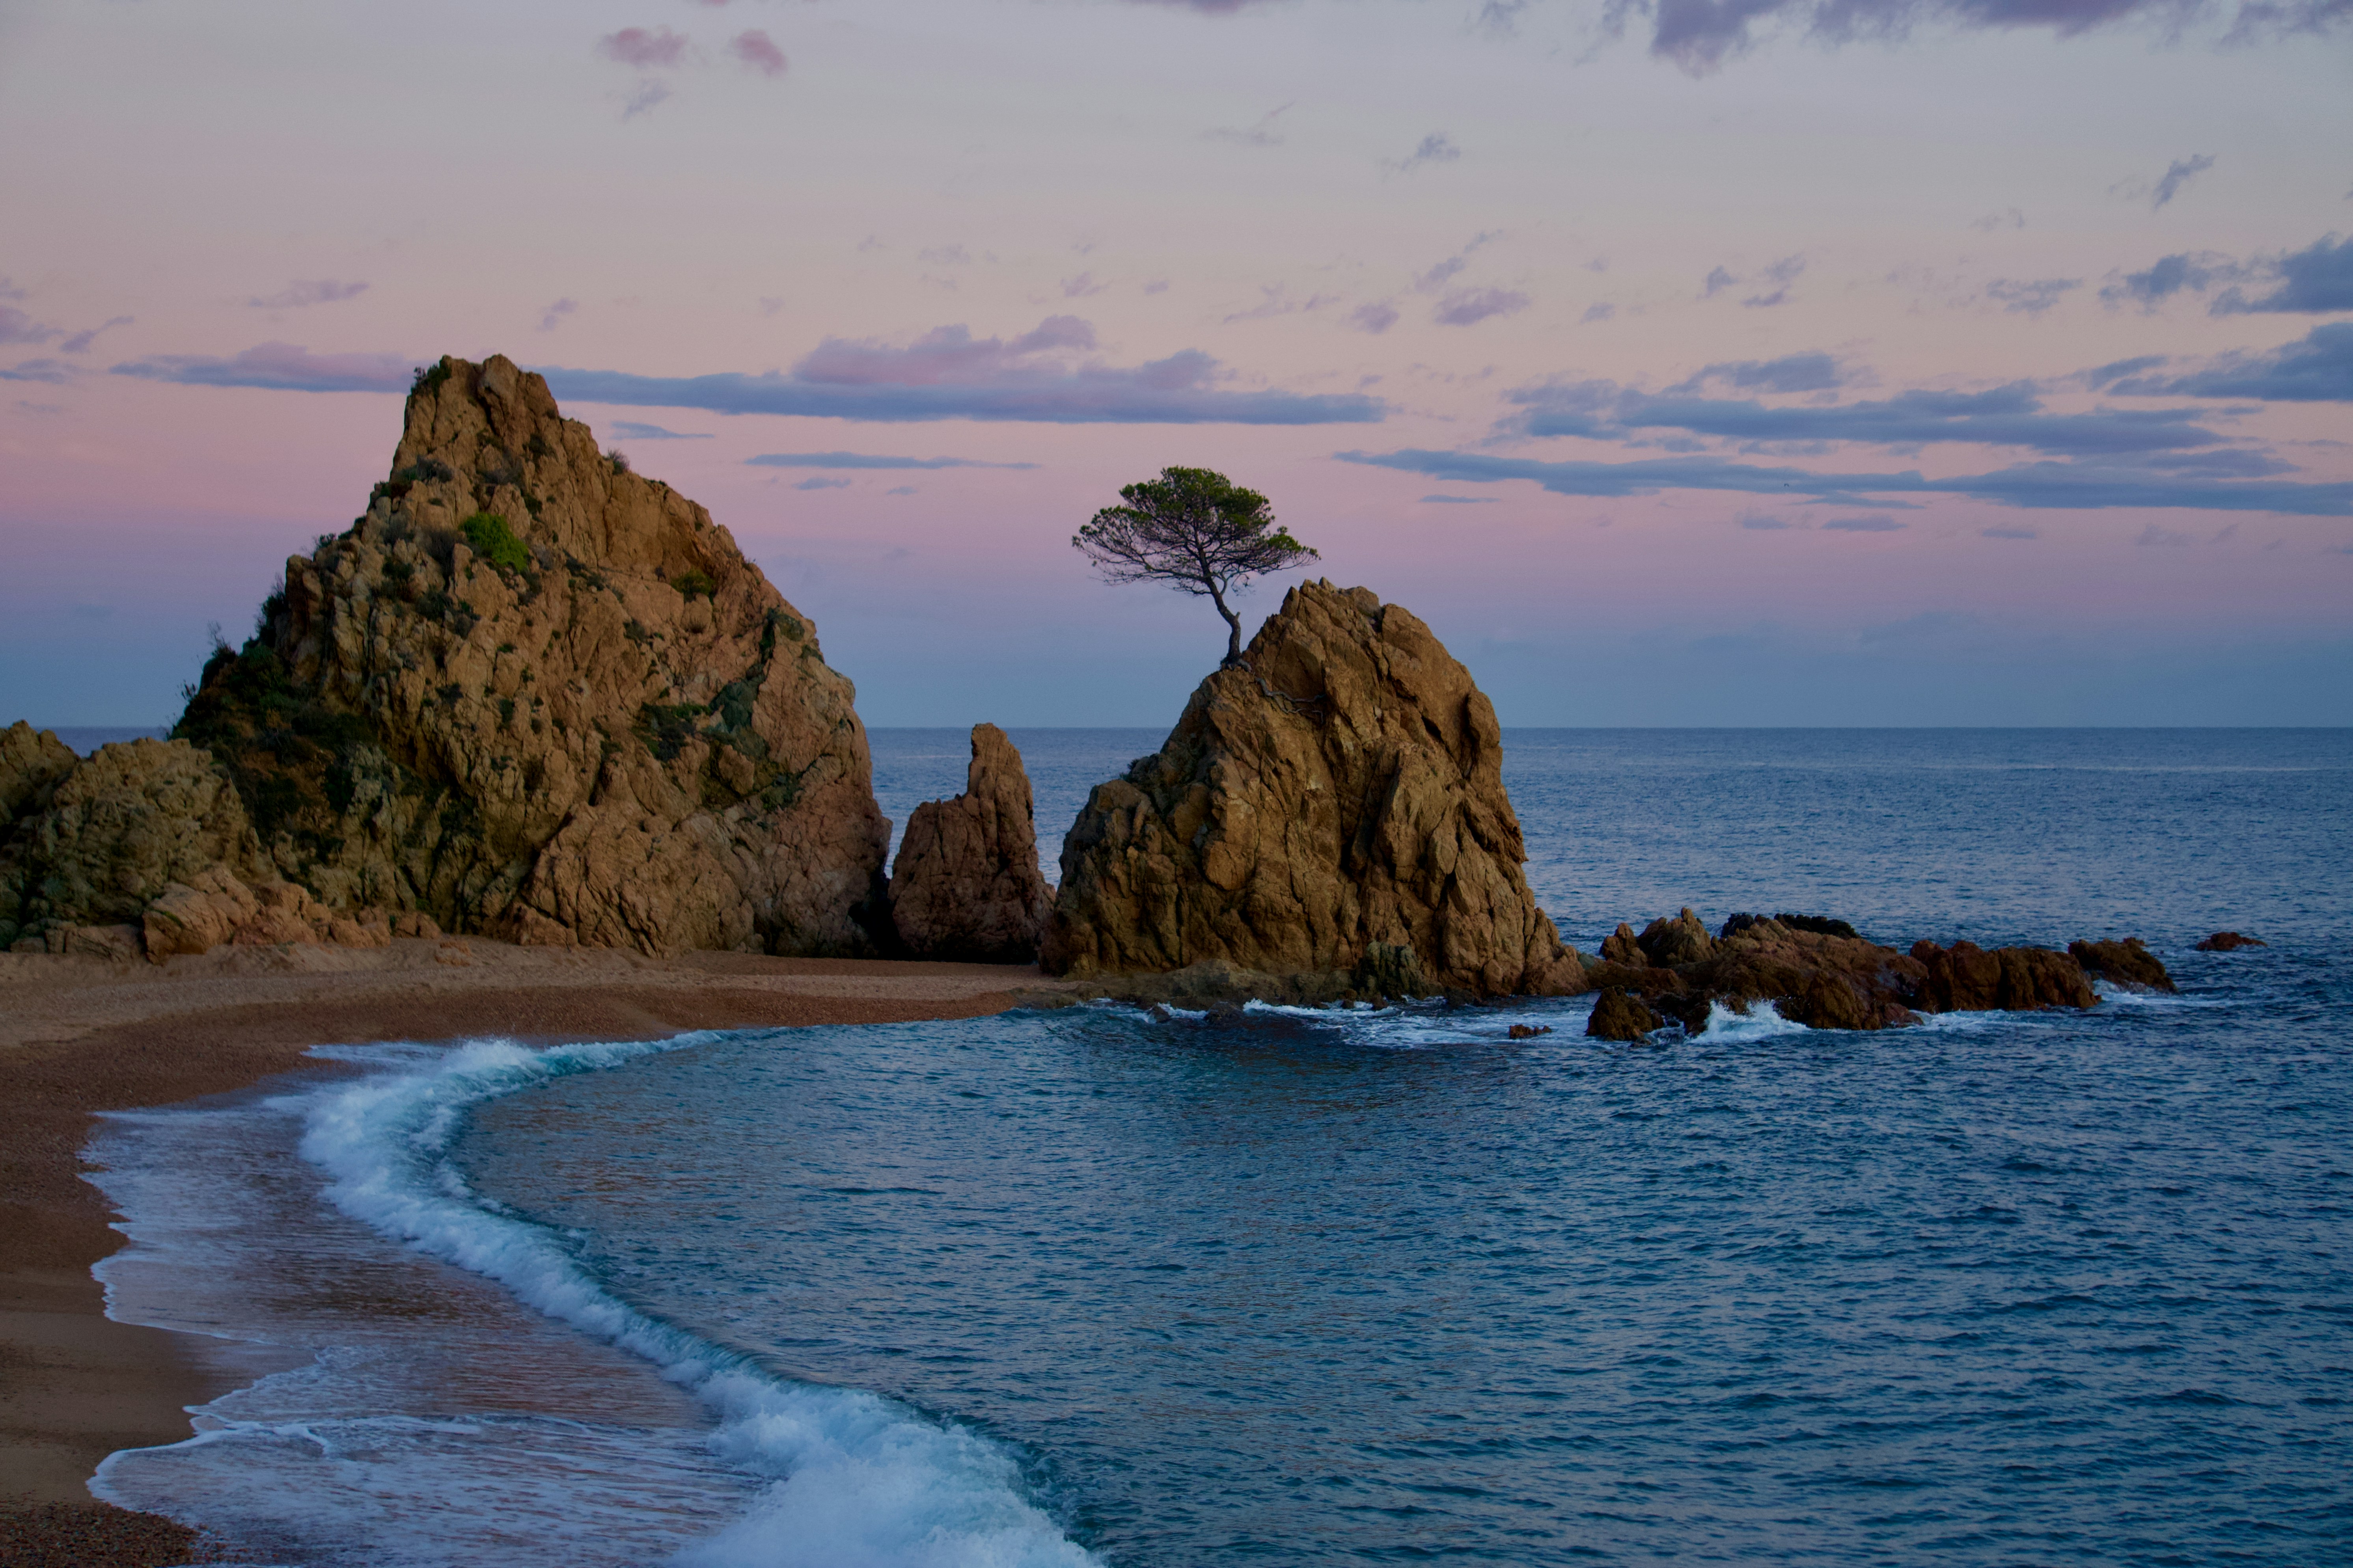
pixel 966 884
pixel 528 692
pixel 1335 805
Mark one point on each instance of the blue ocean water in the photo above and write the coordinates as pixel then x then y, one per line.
pixel 1365 1288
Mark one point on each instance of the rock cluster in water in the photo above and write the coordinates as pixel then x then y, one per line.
pixel 1821 973
pixel 1334 807
pixel 965 884
pixel 529 693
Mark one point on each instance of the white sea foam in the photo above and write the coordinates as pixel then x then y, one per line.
pixel 850 1480
pixel 1763 1021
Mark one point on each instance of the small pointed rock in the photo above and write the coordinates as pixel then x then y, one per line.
pixel 966 885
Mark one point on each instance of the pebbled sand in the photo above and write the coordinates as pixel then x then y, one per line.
pixel 80 1035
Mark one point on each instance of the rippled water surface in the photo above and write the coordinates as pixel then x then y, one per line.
pixel 1390 1288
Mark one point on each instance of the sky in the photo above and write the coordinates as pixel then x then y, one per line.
pixel 1695 363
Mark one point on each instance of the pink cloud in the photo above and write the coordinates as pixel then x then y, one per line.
pixel 755 48
pixel 641 48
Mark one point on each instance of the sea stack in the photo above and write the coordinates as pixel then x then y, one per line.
pixel 1334 805
pixel 965 885
pixel 528 693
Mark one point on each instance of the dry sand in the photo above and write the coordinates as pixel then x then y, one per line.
pixel 79 1036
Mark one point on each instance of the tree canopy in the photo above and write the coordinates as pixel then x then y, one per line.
pixel 1196 531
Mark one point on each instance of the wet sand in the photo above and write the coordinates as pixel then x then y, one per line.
pixel 79 1036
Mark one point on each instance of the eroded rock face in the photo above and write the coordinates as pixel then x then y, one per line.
pixel 125 824
pixel 530 693
pixel 965 885
pixel 1340 792
pixel 33 763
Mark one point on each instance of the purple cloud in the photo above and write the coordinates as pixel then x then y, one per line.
pixel 2316 368
pixel 1814 372
pixel 1435 148
pixel 1468 307
pixel 16 327
pixel 1043 375
pixel 2020 297
pixel 2010 415
pixel 1782 273
pixel 80 343
pixel 2315 278
pixel 554 316
pixel 281 367
pixel 643 48
pixel 630 430
pixel 1376 316
pixel 1876 522
pixel 817 483
pixel 758 52
pixel 307 291
pixel 53 371
pixel 1717 283
pixel 868 460
pixel 1700 35
pixel 2177 175
pixel 2039 486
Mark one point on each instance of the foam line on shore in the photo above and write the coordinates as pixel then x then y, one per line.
pixel 853 1478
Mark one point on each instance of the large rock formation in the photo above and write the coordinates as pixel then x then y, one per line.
pixel 966 884
pixel 529 693
pixel 1335 805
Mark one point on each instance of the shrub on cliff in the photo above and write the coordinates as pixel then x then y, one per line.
pixel 495 543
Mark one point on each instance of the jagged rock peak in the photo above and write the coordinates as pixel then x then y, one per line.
pixel 533 693
pixel 1337 798
pixel 967 883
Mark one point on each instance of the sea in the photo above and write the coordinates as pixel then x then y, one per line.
pixel 1099 1286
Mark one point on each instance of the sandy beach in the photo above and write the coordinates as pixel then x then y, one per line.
pixel 81 1035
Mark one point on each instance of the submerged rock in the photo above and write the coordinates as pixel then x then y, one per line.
pixel 532 693
pixel 1338 793
pixel 2230 942
pixel 967 883
pixel 2126 963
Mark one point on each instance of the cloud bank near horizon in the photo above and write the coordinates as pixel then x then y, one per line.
pixel 1048 374
pixel 2053 485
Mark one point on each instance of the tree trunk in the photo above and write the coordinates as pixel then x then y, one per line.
pixel 1233 630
